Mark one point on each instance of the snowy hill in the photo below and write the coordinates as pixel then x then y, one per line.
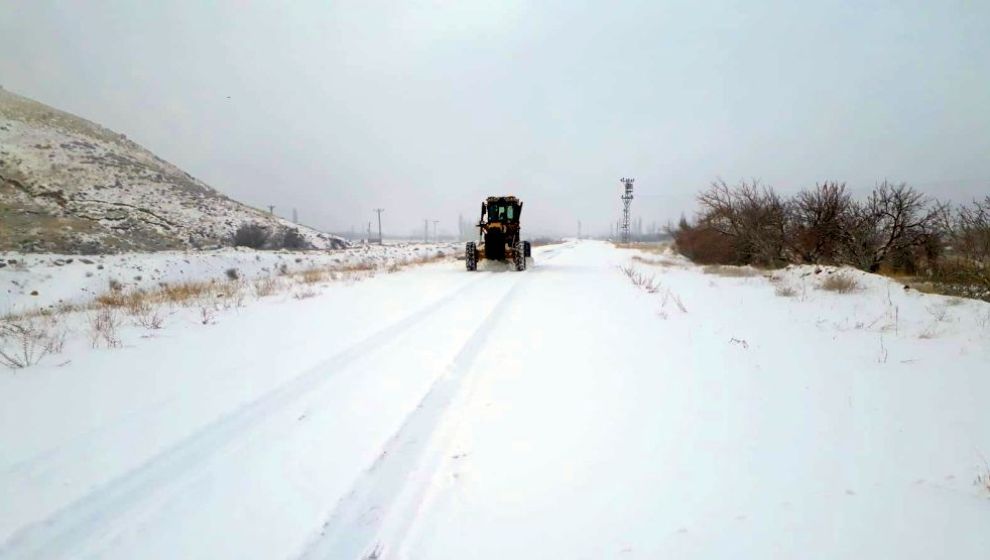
pixel 70 185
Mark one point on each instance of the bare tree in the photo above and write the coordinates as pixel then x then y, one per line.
pixel 754 216
pixel 972 230
pixel 894 219
pixel 817 219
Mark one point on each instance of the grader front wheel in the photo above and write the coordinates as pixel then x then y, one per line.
pixel 519 256
pixel 471 256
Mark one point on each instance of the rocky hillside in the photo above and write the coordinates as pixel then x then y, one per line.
pixel 71 186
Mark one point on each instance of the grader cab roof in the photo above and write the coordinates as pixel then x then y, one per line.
pixel 501 209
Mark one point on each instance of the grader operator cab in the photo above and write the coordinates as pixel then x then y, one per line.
pixel 500 236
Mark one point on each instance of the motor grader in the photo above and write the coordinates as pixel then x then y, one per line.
pixel 500 235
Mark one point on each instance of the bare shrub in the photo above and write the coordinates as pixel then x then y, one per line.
pixel 251 235
pixel 290 238
pixel 143 313
pixel 23 343
pixel 264 287
pixel 663 262
pixel 730 271
pixel 104 324
pixel 232 274
pixel 785 291
pixel 840 283
pixel 703 244
pixel 304 294
pixel 939 313
pixel 313 275
pixel 184 292
pixel 151 319
pixel 207 315
pixel 230 294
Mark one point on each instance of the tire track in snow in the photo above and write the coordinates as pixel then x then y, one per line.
pixel 53 457
pixel 380 505
pixel 58 534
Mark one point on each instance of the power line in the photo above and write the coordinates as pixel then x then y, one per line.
pixel 379 210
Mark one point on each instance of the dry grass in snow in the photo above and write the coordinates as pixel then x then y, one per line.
pixel 28 337
pixel 649 283
pixel 730 271
pixel 25 342
pixel 840 282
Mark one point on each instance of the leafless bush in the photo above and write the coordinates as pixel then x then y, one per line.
pixel 145 314
pixel 304 294
pixel 785 291
pixel 313 275
pixel 703 244
pixel 290 238
pixel 264 287
pixel 730 271
pixel 104 324
pixel 185 292
pixel 230 295
pixel 896 227
pixel 207 315
pixel 251 235
pixel 840 283
pixel 232 274
pixel 23 343
pixel 938 312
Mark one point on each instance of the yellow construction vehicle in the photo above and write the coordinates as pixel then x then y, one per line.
pixel 500 235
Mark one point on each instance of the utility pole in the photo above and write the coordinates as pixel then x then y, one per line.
pixel 579 229
pixel 627 197
pixel 369 232
pixel 295 216
pixel 426 230
pixel 379 210
pixel 271 209
pixel 435 238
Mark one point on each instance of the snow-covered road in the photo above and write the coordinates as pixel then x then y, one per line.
pixel 561 412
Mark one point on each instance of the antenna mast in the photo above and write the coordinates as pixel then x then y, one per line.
pixel 627 196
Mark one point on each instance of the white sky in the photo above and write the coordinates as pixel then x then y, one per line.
pixel 424 108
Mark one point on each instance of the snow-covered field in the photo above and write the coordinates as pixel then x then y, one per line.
pixel 561 412
pixel 33 281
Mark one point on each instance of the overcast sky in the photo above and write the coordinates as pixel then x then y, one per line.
pixel 424 108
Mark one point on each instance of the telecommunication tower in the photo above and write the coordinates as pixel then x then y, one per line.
pixel 627 196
